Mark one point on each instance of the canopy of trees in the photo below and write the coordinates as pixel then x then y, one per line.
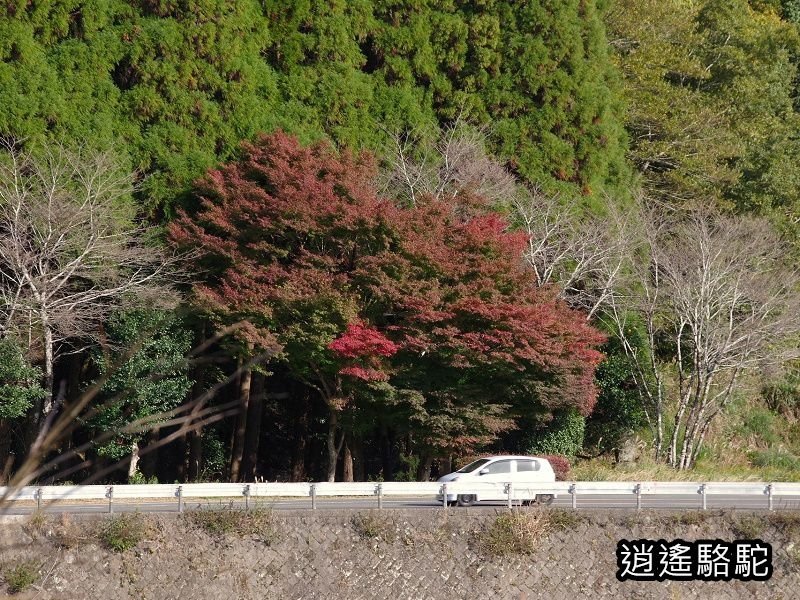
pixel 178 86
pixel 429 304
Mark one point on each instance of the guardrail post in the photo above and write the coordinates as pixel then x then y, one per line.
pixel 379 494
pixel 769 496
pixel 246 493
pixel 573 490
pixel 510 492
pixel 179 494
pixel 313 493
pixel 703 494
pixel 110 496
pixel 38 495
pixel 444 495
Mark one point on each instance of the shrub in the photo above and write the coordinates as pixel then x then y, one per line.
pixel 749 527
pixel 562 436
pixel 66 534
pixel 778 459
pixel 123 532
pixel 37 523
pixel 258 522
pixel 565 519
pixel 21 577
pixel 560 465
pixel 370 526
pixel 514 532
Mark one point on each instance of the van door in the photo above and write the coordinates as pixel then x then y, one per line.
pixel 498 473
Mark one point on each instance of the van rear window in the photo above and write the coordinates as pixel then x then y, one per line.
pixel 527 465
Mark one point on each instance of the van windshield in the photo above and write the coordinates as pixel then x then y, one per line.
pixel 473 465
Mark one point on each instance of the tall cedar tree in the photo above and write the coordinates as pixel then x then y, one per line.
pixel 427 309
pixel 179 84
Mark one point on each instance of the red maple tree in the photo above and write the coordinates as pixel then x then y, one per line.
pixel 431 303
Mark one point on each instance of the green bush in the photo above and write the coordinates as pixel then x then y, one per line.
pixel 778 459
pixel 760 423
pixel 562 436
pixel 21 577
pixel 123 532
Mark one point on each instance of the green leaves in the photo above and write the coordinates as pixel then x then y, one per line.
pixel 19 382
pixel 154 379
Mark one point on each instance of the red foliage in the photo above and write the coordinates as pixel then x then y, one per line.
pixel 360 340
pixel 560 465
pixel 434 298
pixel 366 345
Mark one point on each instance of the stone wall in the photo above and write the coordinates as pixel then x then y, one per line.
pixel 421 554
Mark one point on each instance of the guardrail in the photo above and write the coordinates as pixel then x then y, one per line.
pixel 511 492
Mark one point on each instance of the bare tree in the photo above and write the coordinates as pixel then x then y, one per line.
pixel 633 311
pixel 579 252
pixel 70 251
pixel 421 164
pixel 718 291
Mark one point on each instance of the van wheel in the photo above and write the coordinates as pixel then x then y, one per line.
pixel 546 499
pixel 528 502
pixel 466 499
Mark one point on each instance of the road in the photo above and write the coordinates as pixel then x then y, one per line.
pixel 584 501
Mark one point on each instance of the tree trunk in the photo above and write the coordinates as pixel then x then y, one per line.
pixel 424 467
pixel 195 453
pixel 149 465
pixel 46 405
pixel 6 457
pixel 300 438
pixel 134 460
pixel 237 448
pixel 347 461
pixel 389 456
pixel 358 459
pixel 333 447
pixel 252 436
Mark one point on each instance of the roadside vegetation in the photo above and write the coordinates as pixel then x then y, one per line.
pixel 258 523
pixel 514 532
pixel 473 236
pixel 21 576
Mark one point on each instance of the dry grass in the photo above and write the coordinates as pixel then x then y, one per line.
pixel 749 527
pixel 565 519
pixel 61 531
pixel 514 532
pixel 37 524
pixel 258 522
pixel 371 526
pixel 788 522
pixel 647 470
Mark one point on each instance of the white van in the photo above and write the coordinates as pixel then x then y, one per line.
pixel 520 471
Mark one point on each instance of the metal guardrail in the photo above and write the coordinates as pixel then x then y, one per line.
pixel 510 491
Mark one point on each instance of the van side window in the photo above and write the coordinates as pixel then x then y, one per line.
pixel 501 466
pixel 527 465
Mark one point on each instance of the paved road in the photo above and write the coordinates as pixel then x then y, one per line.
pixel 587 501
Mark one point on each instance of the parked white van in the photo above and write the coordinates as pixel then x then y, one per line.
pixel 520 471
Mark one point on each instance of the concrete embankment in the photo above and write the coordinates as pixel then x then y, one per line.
pixel 420 554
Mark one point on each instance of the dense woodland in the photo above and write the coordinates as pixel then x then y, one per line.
pixel 368 240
